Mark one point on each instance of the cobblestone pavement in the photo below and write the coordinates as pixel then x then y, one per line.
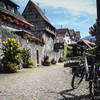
pixel 44 83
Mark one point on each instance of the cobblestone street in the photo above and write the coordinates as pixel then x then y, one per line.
pixel 44 83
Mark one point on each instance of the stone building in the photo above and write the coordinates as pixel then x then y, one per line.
pixel 43 28
pixel 14 25
pixel 12 21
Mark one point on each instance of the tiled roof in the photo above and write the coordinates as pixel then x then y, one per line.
pixel 32 37
pixel 61 32
pixel 41 13
pixel 77 34
pixel 17 16
pixel 28 34
pixel 88 43
pixel 71 32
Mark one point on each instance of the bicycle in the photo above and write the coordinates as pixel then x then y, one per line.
pixel 81 71
pixel 94 82
pixel 92 74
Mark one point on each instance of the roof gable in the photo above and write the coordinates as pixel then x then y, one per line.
pixel 40 12
pixel 72 32
pixel 88 43
pixel 61 32
pixel 77 34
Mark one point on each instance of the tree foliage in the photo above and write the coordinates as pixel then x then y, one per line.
pixel 92 30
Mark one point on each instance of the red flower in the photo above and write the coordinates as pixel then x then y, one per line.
pixel 26 26
pixel 21 24
pixel 16 21
pixel 31 27
pixel 9 19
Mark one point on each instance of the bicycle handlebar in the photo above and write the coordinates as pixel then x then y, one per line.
pixel 91 55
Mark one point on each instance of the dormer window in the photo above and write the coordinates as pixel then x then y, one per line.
pixel 67 35
pixel 12 10
pixel 2 5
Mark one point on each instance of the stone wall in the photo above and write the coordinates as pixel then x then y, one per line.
pixel 34 48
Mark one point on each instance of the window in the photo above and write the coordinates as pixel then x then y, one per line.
pixel 12 10
pixel 2 4
pixel 15 10
pixel 67 35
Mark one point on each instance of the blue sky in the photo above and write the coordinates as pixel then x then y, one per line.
pixel 73 14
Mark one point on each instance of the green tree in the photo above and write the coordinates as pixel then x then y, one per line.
pixel 92 30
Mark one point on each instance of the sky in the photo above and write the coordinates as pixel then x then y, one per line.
pixel 73 14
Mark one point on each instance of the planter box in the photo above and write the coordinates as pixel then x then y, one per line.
pixel 71 63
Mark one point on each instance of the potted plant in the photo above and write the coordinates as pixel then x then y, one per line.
pixel 46 61
pixel 53 61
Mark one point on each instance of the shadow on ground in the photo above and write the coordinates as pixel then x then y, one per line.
pixel 69 96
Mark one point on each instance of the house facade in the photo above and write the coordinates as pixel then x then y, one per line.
pixel 68 36
pixel 62 35
pixel 43 28
pixel 72 35
pixel 14 25
pixel 65 37
pixel 61 41
pixel 40 35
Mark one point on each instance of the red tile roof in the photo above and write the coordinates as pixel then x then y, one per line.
pixel 61 32
pixel 71 32
pixel 88 43
pixel 77 34
pixel 32 37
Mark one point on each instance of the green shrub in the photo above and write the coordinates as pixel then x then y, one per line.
pixel 26 57
pixel 30 63
pixel 53 61
pixel 10 68
pixel 61 59
pixel 18 60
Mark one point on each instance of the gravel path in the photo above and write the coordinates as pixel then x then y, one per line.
pixel 44 83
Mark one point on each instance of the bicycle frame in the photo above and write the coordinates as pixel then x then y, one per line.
pixel 86 64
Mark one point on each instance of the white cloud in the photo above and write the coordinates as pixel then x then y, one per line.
pixel 76 6
pixel 68 13
pixel 88 6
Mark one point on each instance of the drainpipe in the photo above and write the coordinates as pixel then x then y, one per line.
pixel 98 23
pixel 98 30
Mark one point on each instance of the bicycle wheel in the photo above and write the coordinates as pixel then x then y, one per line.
pixel 94 88
pixel 76 80
pixel 91 89
pixel 94 85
